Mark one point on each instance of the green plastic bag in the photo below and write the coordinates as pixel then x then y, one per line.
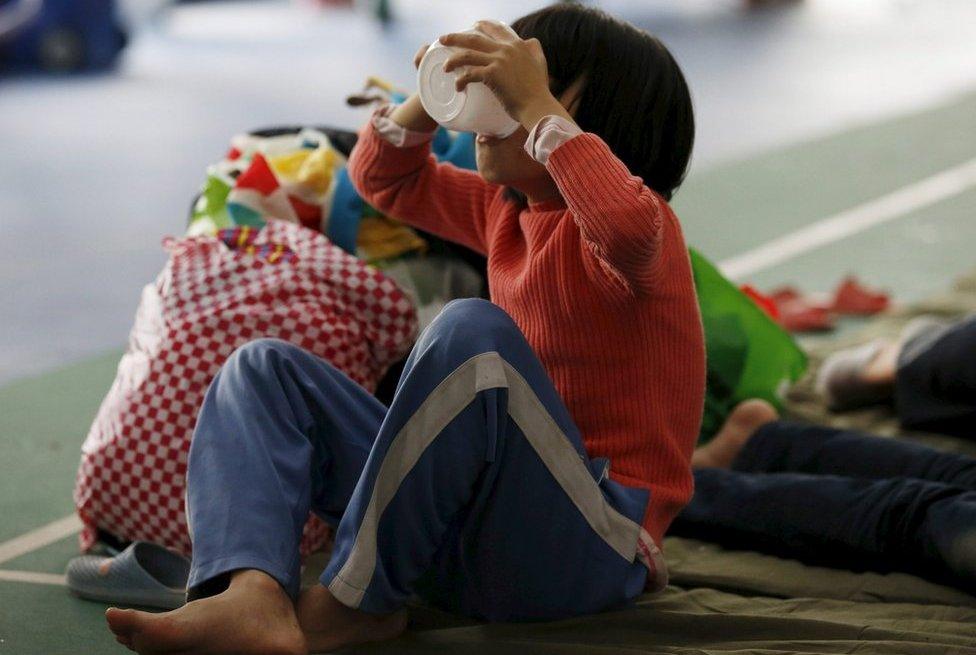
pixel 748 354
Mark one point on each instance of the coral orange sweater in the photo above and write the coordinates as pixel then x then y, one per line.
pixel 600 284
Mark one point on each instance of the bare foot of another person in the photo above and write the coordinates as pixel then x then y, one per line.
pixel 747 417
pixel 254 615
pixel 328 624
pixel 859 376
pixel 884 365
pixel 882 369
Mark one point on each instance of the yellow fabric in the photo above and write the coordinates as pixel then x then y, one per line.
pixel 310 170
pixel 382 238
pixel 286 166
pixel 319 168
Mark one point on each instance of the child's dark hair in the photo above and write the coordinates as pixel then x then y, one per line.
pixel 634 94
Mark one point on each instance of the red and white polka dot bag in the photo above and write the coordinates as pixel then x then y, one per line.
pixel 214 295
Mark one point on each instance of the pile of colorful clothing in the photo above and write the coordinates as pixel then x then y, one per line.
pixel 297 178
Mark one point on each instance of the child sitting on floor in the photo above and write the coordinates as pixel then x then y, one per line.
pixel 538 446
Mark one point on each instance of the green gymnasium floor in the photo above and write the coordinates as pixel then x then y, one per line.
pixel 727 210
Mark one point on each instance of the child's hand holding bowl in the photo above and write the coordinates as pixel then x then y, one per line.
pixel 513 68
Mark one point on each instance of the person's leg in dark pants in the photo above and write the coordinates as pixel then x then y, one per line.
pixel 787 446
pixel 916 526
pixel 833 496
pixel 935 384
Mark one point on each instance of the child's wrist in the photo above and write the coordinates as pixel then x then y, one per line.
pixel 535 111
pixel 410 115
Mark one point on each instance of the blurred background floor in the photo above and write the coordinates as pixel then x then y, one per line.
pixel 804 110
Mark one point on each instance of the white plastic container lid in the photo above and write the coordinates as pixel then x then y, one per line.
pixel 475 109
pixel 437 87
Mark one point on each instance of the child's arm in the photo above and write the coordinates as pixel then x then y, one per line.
pixel 402 179
pixel 621 221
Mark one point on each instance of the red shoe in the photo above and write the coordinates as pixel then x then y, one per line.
pixel 784 294
pixel 796 312
pixel 855 299
pixel 800 315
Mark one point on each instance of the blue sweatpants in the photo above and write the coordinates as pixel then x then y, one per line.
pixel 472 490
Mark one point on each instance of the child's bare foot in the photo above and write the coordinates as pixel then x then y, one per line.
pixel 328 624
pixel 254 615
pixel 747 417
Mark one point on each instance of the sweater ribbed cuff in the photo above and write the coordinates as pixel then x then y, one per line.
pixel 374 147
pixel 396 134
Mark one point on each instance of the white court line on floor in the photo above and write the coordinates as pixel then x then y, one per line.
pixel 36 539
pixel 33 578
pixel 905 200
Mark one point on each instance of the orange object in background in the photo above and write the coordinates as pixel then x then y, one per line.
pixel 853 298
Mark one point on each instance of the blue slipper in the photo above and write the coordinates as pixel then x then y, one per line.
pixel 143 574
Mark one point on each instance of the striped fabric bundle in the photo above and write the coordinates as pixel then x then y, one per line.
pixel 244 239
